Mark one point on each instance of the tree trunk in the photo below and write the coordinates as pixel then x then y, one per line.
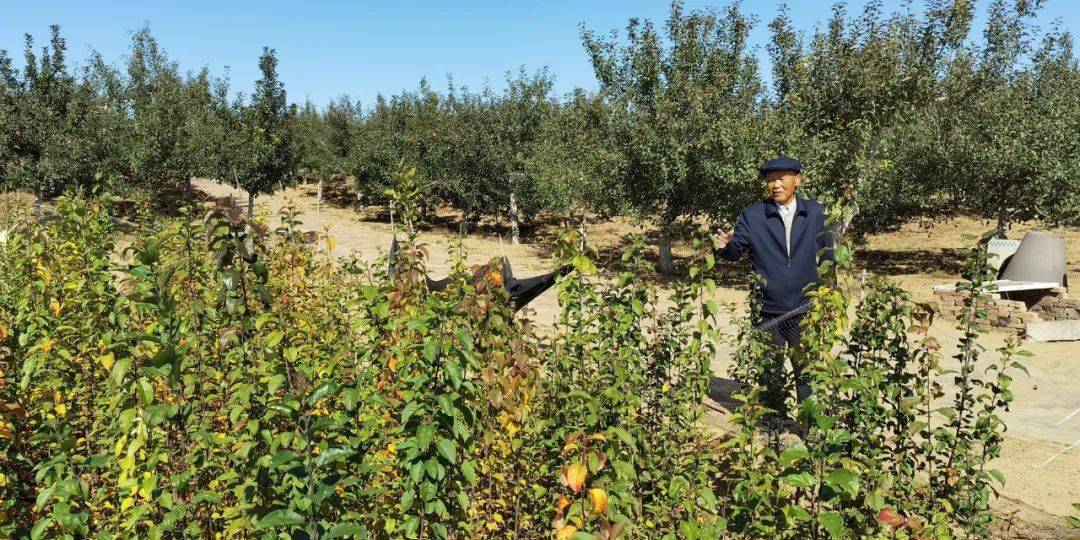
pixel 318 197
pixel 515 222
pixel 37 204
pixel 1003 219
pixel 187 188
pixel 463 227
pixel 667 266
pixel 251 204
pixel 582 232
pixel 425 211
pixel 667 223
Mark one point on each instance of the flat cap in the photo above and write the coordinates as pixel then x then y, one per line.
pixel 782 163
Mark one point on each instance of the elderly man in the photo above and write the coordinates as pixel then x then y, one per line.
pixel 783 237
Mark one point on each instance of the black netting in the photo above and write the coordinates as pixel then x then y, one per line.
pixel 784 330
pixel 785 323
pixel 521 290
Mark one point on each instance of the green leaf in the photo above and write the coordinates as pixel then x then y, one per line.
pixel 408 411
pixel 349 528
pixel 797 513
pixel 843 480
pixel 370 292
pixel 468 470
pixel 119 371
pixel 127 416
pixel 273 339
pixel 833 523
pixel 446 404
pixel 43 497
pixel 424 435
pixel 274 383
pixel 283 409
pixel 624 469
pixel 998 476
pixel 206 496
pixel 453 370
pixel 431 349
pixel 291 353
pixel 583 265
pixel 801 480
pixel 446 449
pixel 792 454
pixel 439 530
pixel 279 518
pixel 465 341
pixel 431 467
pixel 321 392
pixel 156 414
pixel 145 390
pixel 282 457
pixel 411 525
pixel 407 498
pixel 623 435
pixel 229 278
pixel 40 526
pixel 330 455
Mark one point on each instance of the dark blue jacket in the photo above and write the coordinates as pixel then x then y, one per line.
pixel 760 231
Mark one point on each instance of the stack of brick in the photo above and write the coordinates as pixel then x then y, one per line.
pixel 1009 315
pixel 1055 305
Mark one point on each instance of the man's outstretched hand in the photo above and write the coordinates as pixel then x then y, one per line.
pixel 721 239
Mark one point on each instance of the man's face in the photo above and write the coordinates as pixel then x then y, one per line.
pixel 782 184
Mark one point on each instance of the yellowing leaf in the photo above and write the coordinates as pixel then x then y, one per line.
pixel 566 532
pixel 107 361
pixel 54 306
pixel 598 498
pixel 574 477
pixel 562 504
pixel 126 503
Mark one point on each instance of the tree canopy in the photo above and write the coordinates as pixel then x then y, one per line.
pixel 912 110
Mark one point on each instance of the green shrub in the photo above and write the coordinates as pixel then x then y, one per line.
pixel 219 378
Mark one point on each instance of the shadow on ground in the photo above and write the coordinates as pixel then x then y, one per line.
pixel 921 261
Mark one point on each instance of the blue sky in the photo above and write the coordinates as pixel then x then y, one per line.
pixel 326 49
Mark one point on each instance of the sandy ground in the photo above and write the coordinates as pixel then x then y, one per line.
pixel 1041 455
